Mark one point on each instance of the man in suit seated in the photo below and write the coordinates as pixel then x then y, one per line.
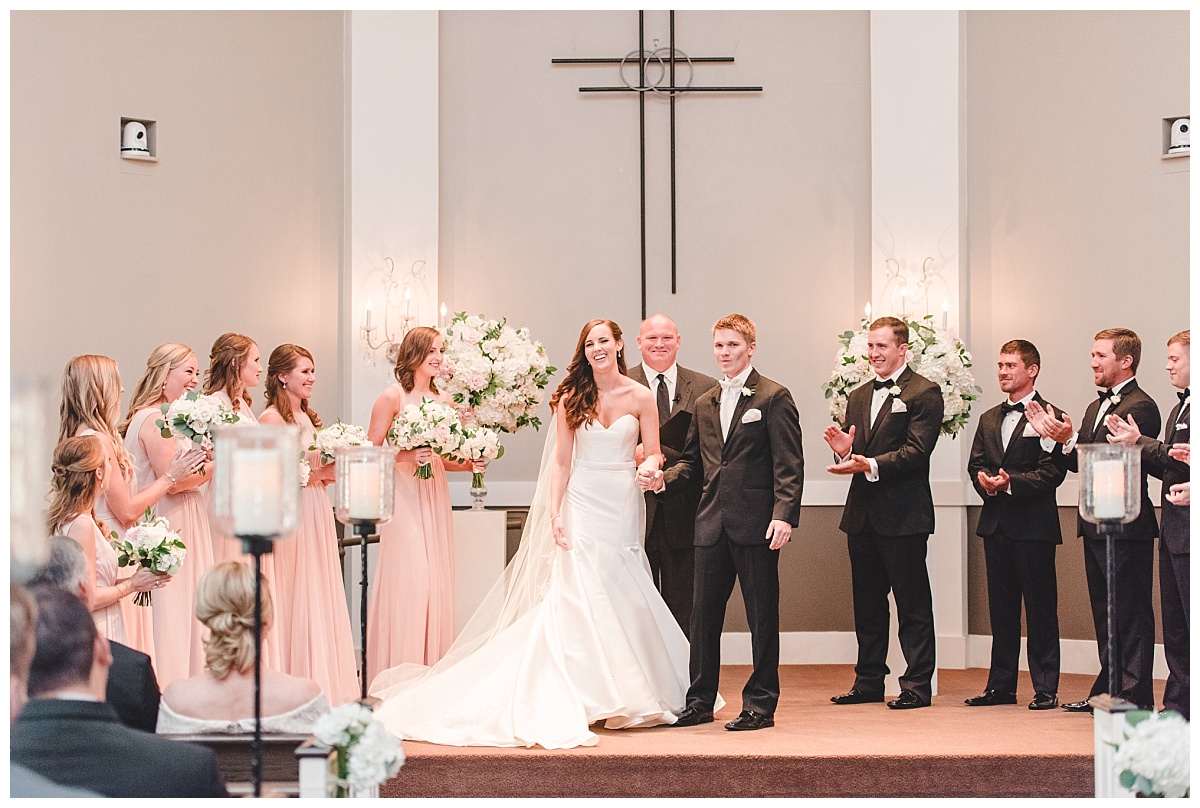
pixel 132 689
pixel 67 733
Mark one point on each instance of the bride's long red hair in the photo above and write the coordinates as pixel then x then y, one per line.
pixel 577 392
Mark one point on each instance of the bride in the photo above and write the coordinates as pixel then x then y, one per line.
pixel 574 632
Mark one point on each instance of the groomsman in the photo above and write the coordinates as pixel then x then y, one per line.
pixel 1016 472
pixel 744 450
pixel 1174 549
pixel 893 425
pixel 1116 353
pixel 671 524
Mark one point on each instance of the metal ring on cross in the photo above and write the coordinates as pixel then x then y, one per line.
pixel 672 53
pixel 643 57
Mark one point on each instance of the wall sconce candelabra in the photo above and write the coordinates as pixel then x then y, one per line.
pixel 392 286
pixel 918 291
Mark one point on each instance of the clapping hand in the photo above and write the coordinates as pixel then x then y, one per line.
pixel 1046 424
pixel 1181 452
pixel 1125 433
pixel 995 484
pixel 841 442
pixel 1180 494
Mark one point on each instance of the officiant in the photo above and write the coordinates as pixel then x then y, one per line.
pixel 670 523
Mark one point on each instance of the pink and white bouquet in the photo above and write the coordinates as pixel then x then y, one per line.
pixel 195 417
pixel 152 544
pixel 494 373
pixel 479 443
pixel 430 423
pixel 335 436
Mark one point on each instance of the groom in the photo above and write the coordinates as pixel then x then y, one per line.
pixel 744 449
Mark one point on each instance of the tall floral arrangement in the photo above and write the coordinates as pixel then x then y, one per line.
pixel 1154 757
pixel 935 353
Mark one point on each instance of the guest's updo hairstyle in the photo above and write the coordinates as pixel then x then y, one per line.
pixel 225 604
pixel 73 484
pixel 149 390
pixel 225 363
pixel 577 392
pixel 283 361
pixel 413 350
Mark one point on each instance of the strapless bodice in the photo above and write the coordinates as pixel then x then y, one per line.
pixel 594 444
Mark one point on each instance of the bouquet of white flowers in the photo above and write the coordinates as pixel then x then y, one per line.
pixel 1154 758
pixel 478 443
pixel 150 543
pixel 936 354
pixel 194 417
pixel 430 423
pixel 495 374
pixel 367 754
pixel 331 438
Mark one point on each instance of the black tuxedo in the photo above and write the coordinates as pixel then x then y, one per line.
pixel 1174 558
pixel 1021 532
pixel 1134 567
pixel 82 744
pixel 132 689
pixel 887 524
pixel 671 523
pixel 751 477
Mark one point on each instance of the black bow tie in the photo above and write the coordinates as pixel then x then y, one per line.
pixel 1007 407
pixel 1187 391
pixel 1106 394
pixel 879 385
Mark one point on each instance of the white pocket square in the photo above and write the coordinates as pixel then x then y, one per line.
pixel 751 415
pixel 1029 431
pixel 1180 426
pixel 899 406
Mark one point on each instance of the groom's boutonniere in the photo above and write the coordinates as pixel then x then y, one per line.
pixel 1115 398
pixel 747 391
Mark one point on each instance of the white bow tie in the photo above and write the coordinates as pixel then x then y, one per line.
pixel 730 384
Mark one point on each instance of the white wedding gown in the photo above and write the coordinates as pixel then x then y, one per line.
pixel 567 637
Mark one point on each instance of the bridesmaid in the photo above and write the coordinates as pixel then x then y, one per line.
pixel 81 471
pixel 411 612
pixel 171 371
pixel 91 404
pixel 313 622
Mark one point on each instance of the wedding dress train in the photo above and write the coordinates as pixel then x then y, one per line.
pixel 566 638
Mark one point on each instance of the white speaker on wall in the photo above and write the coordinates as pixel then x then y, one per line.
pixel 1181 135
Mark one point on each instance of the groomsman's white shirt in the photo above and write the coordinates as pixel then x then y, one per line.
pixel 878 397
pixel 1105 406
pixel 731 391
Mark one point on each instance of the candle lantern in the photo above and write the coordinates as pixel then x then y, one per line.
pixel 363 497
pixel 256 479
pixel 31 438
pixel 1110 495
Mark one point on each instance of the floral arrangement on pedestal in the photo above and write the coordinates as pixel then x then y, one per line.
pixel 935 353
pixel 367 754
pixel 1154 758
pixel 152 544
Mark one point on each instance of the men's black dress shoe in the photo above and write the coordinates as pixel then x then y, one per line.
pixel 856 696
pixel 907 700
pixel 991 698
pixel 1077 707
pixel 751 720
pixel 693 716
pixel 1044 701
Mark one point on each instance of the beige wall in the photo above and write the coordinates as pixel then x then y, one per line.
pixel 236 228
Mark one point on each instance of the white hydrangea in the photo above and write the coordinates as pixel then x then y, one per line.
pixel 1155 757
pixel 342 724
pixel 375 757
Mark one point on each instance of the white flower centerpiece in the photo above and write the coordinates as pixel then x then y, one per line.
pixel 367 754
pixel 194 417
pixel 497 377
pixel 935 353
pixel 152 544
pixel 1154 758
pixel 430 423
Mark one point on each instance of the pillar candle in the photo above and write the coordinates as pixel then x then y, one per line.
pixel 1108 489
pixel 365 491
pixel 257 484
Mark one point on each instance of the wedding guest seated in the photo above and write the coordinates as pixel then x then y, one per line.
pixel 67 733
pixel 132 689
pixel 221 699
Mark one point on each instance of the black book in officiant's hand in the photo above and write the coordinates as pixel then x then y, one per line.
pixel 674 432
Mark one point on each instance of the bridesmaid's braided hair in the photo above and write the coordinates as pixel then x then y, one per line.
pixel 283 361
pixel 577 392
pixel 225 604
pixel 413 350
pixel 225 363
pixel 74 488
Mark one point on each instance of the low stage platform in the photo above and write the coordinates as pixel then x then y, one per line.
pixel 816 749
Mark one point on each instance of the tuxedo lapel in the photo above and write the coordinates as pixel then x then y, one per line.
pixel 888 402
pixel 683 393
pixel 1018 430
pixel 743 402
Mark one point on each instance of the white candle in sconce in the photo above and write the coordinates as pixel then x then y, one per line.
pixel 368 314
pixel 945 313
pixel 1108 489
pixel 903 301
pixel 257 484
pixel 867 309
pixel 443 312
pixel 365 491
pixel 407 301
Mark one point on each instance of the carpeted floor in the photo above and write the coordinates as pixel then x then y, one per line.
pixel 815 749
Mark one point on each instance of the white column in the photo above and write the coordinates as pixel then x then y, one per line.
pixel 391 196
pixel 915 187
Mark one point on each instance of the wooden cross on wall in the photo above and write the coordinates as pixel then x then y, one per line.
pixel 666 60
